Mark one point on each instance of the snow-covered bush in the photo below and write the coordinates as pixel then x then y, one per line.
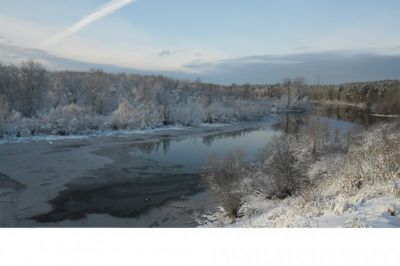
pixel 235 110
pixel 245 110
pixel 371 165
pixel 284 166
pixel 221 113
pixel 148 116
pixel 124 117
pixel 376 158
pixel 13 123
pixel 190 113
pixel 225 179
pixel 65 120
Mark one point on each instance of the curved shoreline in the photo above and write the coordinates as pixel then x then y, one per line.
pixel 169 130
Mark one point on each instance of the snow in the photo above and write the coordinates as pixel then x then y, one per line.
pixel 383 115
pixel 215 125
pixel 377 212
pixel 326 102
pixel 360 188
pixel 44 138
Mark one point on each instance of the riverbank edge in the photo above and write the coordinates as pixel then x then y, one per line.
pixel 157 131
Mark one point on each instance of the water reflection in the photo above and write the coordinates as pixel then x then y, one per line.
pixel 354 114
pixel 338 118
pixel 208 140
pixel 148 147
pixel 291 123
pixel 147 173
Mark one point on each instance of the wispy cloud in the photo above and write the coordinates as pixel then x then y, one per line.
pixel 99 13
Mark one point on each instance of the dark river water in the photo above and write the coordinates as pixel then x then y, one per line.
pixel 141 180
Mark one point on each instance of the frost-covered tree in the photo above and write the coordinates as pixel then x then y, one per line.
pixel 125 116
pixel 207 98
pixel 189 112
pixel 33 79
pixel 68 119
pixel 10 86
pixel 293 93
pixel 151 101
pixel 165 101
pixel 4 108
pixel 67 89
pixel 4 113
pixel 98 84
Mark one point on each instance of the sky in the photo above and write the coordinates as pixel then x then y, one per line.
pixel 243 41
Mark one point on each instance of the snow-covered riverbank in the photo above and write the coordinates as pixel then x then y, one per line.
pixel 123 133
pixel 378 208
pixel 357 186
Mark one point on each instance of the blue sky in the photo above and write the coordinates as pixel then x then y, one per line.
pixel 162 35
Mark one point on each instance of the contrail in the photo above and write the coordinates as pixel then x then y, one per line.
pixel 99 13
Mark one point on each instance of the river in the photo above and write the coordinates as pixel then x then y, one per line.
pixel 137 180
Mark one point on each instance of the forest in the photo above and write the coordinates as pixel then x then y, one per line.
pixel 380 97
pixel 34 101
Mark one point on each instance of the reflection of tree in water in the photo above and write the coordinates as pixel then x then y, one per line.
pixel 146 147
pixel 153 146
pixel 310 124
pixel 350 113
pixel 208 140
pixel 290 123
pixel 166 143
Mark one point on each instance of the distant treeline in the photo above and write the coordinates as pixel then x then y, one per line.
pixel 382 97
pixel 34 100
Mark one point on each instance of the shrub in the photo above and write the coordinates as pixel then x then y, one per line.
pixel 376 158
pixel 284 167
pixel 188 114
pixel 124 116
pixel 68 119
pixel 224 178
pixel 373 158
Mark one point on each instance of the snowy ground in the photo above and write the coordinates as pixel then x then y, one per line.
pixel 327 205
pixel 376 212
pixel 357 188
